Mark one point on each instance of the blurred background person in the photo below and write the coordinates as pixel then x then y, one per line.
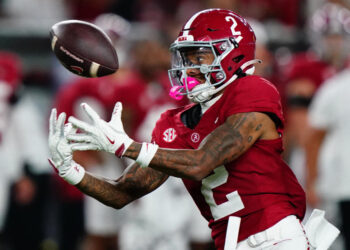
pixel 327 153
pixel 78 214
pixel 303 77
pixel 328 28
pixel 84 222
pixel 34 15
pixel 10 168
pixel 24 179
pixel 328 171
pixel 165 220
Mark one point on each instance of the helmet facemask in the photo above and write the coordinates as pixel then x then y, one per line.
pixel 214 76
pixel 187 56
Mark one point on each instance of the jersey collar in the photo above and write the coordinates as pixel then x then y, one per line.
pixel 206 105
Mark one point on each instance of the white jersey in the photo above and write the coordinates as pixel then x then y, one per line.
pixel 330 110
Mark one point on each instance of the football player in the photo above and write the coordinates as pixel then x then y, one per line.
pixel 226 146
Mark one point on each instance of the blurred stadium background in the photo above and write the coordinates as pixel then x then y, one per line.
pixel 302 43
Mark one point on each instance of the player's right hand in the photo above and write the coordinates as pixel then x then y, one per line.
pixel 60 150
pixel 100 135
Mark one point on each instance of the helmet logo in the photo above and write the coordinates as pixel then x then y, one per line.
pixel 185 38
pixel 169 135
pixel 233 28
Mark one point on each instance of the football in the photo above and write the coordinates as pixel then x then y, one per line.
pixel 83 48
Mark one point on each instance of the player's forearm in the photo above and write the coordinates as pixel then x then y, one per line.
pixel 106 191
pixel 134 183
pixel 190 164
pixel 225 144
pixel 183 163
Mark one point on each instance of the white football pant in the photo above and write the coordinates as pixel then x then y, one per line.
pixel 287 234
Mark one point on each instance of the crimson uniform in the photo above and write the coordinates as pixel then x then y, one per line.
pixel 259 187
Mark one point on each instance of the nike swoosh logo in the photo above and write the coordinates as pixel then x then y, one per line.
pixel 111 141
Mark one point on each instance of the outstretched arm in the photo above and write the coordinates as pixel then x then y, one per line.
pixel 225 144
pixel 134 183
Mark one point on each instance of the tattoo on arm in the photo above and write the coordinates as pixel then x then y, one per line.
pixel 223 145
pixel 134 183
pixel 233 138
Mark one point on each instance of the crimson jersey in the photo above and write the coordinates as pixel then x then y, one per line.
pixel 259 186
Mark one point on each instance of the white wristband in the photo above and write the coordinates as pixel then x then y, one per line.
pixel 147 152
pixel 74 175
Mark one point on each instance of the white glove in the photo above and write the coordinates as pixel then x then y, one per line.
pixel 100 135
pixel 60 150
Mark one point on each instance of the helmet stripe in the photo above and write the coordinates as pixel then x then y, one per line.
pixel 190 21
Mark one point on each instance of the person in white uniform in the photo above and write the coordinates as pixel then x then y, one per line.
pixel 328 153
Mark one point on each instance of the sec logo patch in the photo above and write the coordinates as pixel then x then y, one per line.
pixel 169 135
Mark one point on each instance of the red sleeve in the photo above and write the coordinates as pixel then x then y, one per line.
pixel 253 94
pixel 157 128
pixel 154 140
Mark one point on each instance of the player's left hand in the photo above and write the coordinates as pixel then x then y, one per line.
pixel 60 150
pixel 100 135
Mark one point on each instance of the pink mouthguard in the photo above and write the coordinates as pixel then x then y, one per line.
pixel 175 92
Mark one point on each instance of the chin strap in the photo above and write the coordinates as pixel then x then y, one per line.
pixel 201 95
pixel 209 90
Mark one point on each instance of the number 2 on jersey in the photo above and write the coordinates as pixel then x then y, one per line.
pixel 234 202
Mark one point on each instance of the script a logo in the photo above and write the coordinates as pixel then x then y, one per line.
pixel 169 135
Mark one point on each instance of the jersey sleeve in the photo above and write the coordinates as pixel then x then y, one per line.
pixel 254 94
pixel 156 130
pixel 163 123
pixel 154 137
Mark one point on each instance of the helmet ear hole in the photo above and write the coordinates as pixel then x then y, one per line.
pixel 237 59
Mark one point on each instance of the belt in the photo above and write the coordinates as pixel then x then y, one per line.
pixel 272 233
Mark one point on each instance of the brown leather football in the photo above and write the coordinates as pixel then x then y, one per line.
pixel 83 48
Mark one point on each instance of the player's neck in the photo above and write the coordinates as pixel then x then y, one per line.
pixel 206 105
